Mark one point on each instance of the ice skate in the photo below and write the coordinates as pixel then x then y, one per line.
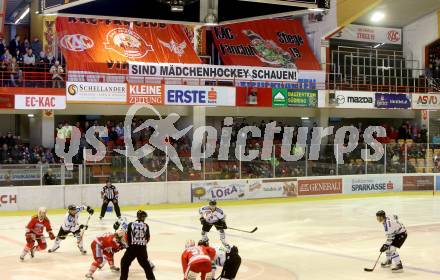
pixel 53 249
pixel 397 268
pixel 386 263
pixel 89 276
pixel 114 268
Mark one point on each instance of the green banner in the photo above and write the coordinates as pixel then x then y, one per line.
pixel 294 98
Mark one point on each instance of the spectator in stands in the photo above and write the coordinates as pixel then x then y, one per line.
pixel 9 139
pixel 48 178
pixel 29 59
pixel 57 70
pixel 4 154
pixel 25 46
pixel 7 57
pixel 2 47
pixel 36 46
pixel 15 72
pixel 19 57
pixel 50 58
pixel 424 134
pixel 14 45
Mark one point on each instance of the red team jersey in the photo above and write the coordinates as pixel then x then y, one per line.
pixel 37 227
pixel 107 242
pixel 197 259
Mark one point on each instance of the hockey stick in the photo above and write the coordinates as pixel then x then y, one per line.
pixel 371 269
pixel 241 230
pixel 86 226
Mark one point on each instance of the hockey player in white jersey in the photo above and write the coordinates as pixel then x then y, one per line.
pixel 210 216
pixel 71 225
pixel 396 235
pixel 229 260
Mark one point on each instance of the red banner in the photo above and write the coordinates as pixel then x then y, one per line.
pixel 269 42
pixel 253 97
pixel 103 46
pixel 7 101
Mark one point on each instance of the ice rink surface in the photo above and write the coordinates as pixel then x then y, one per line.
pixel 311 240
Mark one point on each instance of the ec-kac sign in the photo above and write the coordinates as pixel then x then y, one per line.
pixel 40 102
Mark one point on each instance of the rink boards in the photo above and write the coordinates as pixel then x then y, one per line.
pixel 28 198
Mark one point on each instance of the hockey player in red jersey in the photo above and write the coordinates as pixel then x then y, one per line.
pixel 104 247
pixel 197 259
pixel 34 232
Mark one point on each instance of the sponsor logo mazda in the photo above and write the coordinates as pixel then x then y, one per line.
pixel 357 99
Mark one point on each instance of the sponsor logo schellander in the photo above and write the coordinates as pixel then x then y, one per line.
pixel 127 43
pixel 76 42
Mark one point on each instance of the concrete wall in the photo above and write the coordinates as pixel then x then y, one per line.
pixel 419 34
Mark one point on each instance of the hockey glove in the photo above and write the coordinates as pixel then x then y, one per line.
pixel 384 247
pixel 90 210
pixel 116 225
pixel 83 227
pixel 203 221
pixel 30 237
pixel 221 224
pixel 51 235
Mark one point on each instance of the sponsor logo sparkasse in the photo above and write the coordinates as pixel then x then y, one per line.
pixel 319 186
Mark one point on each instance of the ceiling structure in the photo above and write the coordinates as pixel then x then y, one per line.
pixel 399 13
pixel 188 11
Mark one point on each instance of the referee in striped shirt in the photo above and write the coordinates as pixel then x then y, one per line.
pixel 109 194
pixel 138 234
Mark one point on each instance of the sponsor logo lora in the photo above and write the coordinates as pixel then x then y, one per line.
pixel 225 192
pixel 127 43
pixel 371 185
pixel 76 42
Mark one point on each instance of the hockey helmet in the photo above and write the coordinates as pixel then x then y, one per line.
pixel 190 243
pixel 203 243
pixel 141 215
pixel 71 207
pixel 233 250
pixel 212 202
pixel 42 211
pixel 380 213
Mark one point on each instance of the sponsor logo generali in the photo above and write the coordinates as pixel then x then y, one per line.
pixel 319 186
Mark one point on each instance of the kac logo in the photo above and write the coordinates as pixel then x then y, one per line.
pixel 127 43
pixel 393 36
pixel 76 42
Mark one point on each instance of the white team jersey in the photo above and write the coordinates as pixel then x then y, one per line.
pixel 123 224
pixel 392 227
pixel 212 216
pixel 220 256
pixel 71 223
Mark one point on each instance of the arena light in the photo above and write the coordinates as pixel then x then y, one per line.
pixel 377 16
pixel 25 13
pixel 30 115
pixel 317 10
pixel 305 118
